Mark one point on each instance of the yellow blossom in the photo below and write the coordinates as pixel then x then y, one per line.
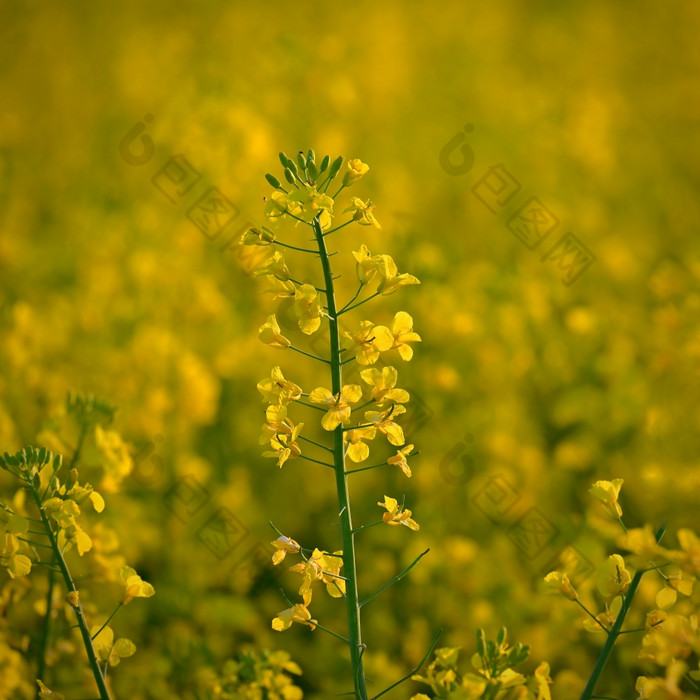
pixel 368 342
pixel 607 492
pixel 134 585
pixel 270 334
pixel 558 582
pixel 383 382
pixel 284 545
pixel 395 515
pixel 338 406
pixel 384 422
pixel 402 334
pixel 257 236
pixel 363 212
pixel 275 266
pixel 391 284
pixel 357 450
pixel 370 267
pixel 614 579
pixel 285 446
pixel 280 289
pixel 309 309
pixel 298 613
pixel 278 390
pixel 11 557
pixel 107 650
pixel 279 205
pixel 399 459
pixel 543 681
pixel 312 203
pixel 355 170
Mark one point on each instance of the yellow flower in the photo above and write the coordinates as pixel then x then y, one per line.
pixel 275 266
pixel 278 390
pixel 402 332
pixel 383 382
pixel 298 613
pixel 357 450
pixel 614 579
pixel 384 422
pixel 312 203
pixel 370 266
pixel 279 205
pixel 73 598
pixel 107 650
pixel 558 582
pixel 391 284
pixel 395 515
pixel 284 545
pixel 689 556
pixel 280 289
pixel 270 334
pixel 285 446
pixel 134 585
pixel 17 564
pixel 307 303
pixel 399 459
pixel 363 212
pixel 256 236
pixel 46 693
pixel 607 492
pixel 543 681
pixel 675 584
pixel 368 342
pixel 338 406
pixel 355 170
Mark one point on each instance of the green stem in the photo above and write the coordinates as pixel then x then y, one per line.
pixel 359 303
pixel 616 628
pixel 352 597
pixel 45 630
pixel 116 610
pixel 82 622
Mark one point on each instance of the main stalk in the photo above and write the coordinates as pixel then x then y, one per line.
pixel 341 482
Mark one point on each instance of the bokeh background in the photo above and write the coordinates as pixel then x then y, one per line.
pixel 107 287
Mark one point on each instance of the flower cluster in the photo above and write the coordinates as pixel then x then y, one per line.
pixel 40 526
pixel 252 676
pixel 668 636
pixel 354 415
pixel 493 675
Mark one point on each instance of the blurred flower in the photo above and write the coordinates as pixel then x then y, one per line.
pixel 134 585
pixel 355 170
pixel 614 579
pixel 270 334
pixel 558 582
pixel 307 304
pixel 607 492
pixel 363 212
pixel 276 389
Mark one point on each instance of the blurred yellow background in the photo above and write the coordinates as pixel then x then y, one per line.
pixel 108 287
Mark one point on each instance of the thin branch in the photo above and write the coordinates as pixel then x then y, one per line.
pixel 396 578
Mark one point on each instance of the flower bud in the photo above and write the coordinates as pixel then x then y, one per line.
pixel 273 181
